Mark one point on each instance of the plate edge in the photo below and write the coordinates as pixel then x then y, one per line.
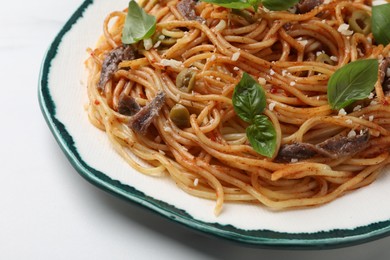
pixel 188 221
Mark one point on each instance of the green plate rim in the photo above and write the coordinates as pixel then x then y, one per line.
pixel 260 238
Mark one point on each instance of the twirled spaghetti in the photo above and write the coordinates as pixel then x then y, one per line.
pixel 211 157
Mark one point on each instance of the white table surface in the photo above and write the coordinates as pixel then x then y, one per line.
pixel 47 211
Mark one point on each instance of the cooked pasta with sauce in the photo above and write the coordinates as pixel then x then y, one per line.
pixel 277 105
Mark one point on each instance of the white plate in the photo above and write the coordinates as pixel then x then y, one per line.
pixel 357 217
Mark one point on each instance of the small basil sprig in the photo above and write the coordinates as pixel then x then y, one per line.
pixel 138 25
pixel 274 5
pixel 249 98
pixel 249 101
pixel 381 23
pixel 352 82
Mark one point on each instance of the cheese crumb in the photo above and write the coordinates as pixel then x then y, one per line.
pixel 371 118
pixel 262 81
pixel 271 72
pixel 334 58
pixel 196 182
pixel 272 106
pixel 371 96
pixel 167 129
pixel 373 103
pixel 294 160
pixel 349 121
pixel 357 108
pixel 236 68
pixel 157 44
pixel 213 57
pixel 148 44
pixel 351 133
pixel 343 29
pixel 292 83
pixel 342 112
pixel 284 72
pixel 236 56
pixel 303 42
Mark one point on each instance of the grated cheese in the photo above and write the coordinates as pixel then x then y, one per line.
pixel 196 182
pixel 236 56
pixel 262 81
pixel 148 44
pixel 343 29
pixel 272 106
pixel 342 112
pixel 351 133
pixel 157 44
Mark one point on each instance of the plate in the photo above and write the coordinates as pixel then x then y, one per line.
pixel 357 217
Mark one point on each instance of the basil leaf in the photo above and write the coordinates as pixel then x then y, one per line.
pixel 262 136
pixel 235 4
pixel 352 82
pixel 138 25
pixel 381 23
pixel 249 98
pixel 278 5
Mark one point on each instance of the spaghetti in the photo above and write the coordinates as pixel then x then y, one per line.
pixel 291 55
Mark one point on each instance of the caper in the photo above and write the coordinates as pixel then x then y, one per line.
pixel 360 22
pixel 180 116
pixel 185 80
pixel 324 58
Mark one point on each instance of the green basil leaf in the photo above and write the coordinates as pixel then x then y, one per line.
pixel 279 5
pixel 262 136
pixel 381 23
pixel 138 25
pixel 235 4
pixel 352 82
pixel 249 98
